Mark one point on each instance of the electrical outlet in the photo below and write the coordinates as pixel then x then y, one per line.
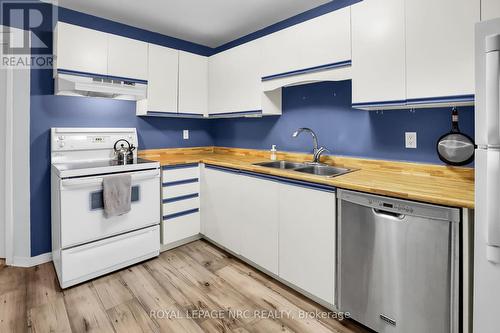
pixel 411 139
pixel 185 134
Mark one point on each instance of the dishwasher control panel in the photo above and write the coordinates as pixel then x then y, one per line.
pixel 398 207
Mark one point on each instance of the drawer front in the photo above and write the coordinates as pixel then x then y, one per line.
pixel 90 260
pixel 180 227
pixel 181 173
pixel 180 206
pixel 169 192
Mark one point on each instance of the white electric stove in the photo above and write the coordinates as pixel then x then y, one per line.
pixel 86 244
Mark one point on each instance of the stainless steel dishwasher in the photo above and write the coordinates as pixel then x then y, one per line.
pixel 398 264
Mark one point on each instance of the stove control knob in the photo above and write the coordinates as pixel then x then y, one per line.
pixel 61 144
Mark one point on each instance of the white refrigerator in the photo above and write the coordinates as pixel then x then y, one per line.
pixel 486 306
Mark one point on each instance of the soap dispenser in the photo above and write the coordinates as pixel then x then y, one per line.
pixel 273 153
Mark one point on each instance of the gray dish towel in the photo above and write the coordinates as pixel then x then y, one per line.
pixel 117 195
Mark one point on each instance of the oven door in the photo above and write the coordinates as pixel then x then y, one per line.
pixel 82 212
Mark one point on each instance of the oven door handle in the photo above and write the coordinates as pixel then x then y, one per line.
pixel 67 184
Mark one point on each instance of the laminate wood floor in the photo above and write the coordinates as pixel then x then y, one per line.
pixel 194 288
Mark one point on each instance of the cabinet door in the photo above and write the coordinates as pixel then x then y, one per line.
pixel 163 68
pixel 80 49
pixel 323 40
pixel 307 240
pixel 127 58
pixel 440 47
pixel 234 79
pixel 220 205
pixel 193 83
pixel 378 51
pixel 259 221
pixel 490 9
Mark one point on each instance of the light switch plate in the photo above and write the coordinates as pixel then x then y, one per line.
pixel 185 134
pixel 411 139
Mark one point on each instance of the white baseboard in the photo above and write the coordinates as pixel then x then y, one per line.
pixel 32 261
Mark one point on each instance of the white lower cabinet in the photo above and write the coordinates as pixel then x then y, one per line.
pixel 220 207
pixel 307 240
pixel 285 227
pixel 259 218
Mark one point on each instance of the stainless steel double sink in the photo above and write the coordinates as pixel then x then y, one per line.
pixel 317 169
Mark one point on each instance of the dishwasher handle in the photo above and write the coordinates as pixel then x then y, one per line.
pixel 386 213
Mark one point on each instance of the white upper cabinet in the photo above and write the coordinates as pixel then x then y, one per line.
pixel 91 51
pixel 127 57
pixel 193 83
pixel 323 40
pixel 490 9
pixel 235 80
pixel 378 51
pixel 80 49
pixel 163 67
pixel 440 47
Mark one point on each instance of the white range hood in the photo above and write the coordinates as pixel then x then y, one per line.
pixel 272 85
pixel 98 86
pixel 306 77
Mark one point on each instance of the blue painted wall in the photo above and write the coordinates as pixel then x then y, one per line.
pixel 326 108
pixel 60 111
pixel 49 111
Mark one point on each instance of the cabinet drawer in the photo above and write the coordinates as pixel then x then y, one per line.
pixel 175 207
pixel 80 264
pixel 181 227
pixel 174 191
pixel 181 173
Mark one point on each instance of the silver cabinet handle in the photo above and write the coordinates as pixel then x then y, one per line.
pixel 97 181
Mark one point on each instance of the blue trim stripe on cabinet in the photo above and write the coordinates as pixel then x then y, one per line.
pixel 236 114
pixel 86 74
pixel 339 64
pixel 291 21
pixel 179 166
pixel 442 99
pixel 181 182
pixel 183 197
pixel 382 103
pixel 214 167
pixel 186 212
pixel 290 181
pixel 173 115
pixel 416 101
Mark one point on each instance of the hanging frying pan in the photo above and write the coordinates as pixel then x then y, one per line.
pixel 455 148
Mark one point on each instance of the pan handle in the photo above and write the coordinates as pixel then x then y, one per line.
pixel 454 120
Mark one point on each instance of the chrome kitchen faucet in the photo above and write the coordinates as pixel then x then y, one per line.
pixel 317 152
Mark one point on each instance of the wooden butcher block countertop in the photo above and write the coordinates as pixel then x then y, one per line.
pixel 449 186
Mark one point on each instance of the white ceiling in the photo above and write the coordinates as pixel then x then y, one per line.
pixel 207 22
